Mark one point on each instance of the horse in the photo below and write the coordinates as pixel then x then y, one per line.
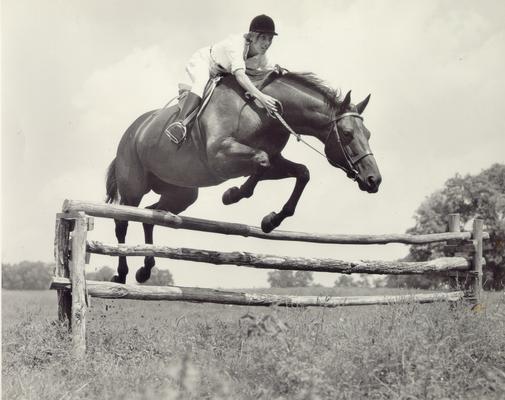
pixel 239 139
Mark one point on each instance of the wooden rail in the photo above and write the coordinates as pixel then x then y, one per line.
pixel 109 290
pixel 270 261
pixel 163 218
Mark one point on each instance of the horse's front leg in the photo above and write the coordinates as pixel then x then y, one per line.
pixel 280 169
pixel 235 194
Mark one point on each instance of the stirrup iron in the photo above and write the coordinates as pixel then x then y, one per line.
pixel 179 127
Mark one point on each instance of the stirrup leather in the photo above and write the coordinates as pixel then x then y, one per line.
pixel 176 132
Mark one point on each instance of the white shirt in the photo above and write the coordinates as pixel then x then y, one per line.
pixel 230 55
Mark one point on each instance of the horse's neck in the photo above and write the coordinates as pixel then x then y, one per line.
pixel 303 110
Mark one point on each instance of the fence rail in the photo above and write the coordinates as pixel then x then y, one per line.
pixel 109 290
pixel 270 261
pixel 163 218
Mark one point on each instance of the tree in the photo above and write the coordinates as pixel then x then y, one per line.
pixel 479 196
pixel 160 277
pixel 285 279
pixel 349 281
pixel 105 273
pixel 27 275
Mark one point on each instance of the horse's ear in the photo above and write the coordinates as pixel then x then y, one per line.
pixel 347 101
pixel 361 106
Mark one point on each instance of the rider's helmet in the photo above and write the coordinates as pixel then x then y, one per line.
pixel 262 24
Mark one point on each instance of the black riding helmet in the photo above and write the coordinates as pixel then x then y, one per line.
pixel 262 24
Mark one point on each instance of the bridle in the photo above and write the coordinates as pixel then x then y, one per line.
pixel 350 168
pixel 351 161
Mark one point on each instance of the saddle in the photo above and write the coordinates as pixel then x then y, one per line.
pixel 165 116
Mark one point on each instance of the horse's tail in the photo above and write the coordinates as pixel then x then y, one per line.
pixel 111 184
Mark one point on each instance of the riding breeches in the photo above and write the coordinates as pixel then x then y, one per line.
pixel 200 69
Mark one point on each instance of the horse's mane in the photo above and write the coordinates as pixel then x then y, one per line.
pixel 331 96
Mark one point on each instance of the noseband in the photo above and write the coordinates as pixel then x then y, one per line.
pixel 351 161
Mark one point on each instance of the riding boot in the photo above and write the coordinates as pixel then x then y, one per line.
pixel 177 129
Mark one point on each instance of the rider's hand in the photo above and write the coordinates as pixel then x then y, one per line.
pixel 268 102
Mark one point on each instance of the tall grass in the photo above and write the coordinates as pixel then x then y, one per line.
pixel 152 350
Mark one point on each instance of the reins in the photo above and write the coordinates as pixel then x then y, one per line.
pixel 296 135
pixel 351 161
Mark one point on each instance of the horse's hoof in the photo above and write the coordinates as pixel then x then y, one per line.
pixel 143 274
pixel 116 279
pixel 232 195
pixel 268 224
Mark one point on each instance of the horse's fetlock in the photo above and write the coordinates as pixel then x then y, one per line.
pixel 288 211
pixel 149 262
pixel 246 192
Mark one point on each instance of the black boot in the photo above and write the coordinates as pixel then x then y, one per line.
pixel 176 131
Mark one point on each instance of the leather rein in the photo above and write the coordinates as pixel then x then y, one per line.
pixel 351 161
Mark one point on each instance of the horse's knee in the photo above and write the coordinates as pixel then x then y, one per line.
pixel 261 159
pixel 303 174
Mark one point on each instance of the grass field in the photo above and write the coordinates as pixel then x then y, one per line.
pixel 153 350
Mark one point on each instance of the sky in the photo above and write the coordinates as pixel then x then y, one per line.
pixel 75 74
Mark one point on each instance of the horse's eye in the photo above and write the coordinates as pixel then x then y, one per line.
pixel 347 134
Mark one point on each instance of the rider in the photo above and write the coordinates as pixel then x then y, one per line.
pixel 232 55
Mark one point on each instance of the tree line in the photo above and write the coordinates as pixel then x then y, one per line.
pixel 37 275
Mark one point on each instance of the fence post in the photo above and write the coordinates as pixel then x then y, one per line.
pixel 454 222
pixel 454 226
pixel 478 225
pixel 61 269
pixel 77 277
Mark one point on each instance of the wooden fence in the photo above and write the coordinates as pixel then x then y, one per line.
pixel 72 250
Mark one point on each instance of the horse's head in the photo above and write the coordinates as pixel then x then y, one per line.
pixel 346 145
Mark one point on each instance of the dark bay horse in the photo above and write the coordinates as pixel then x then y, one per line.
pixel 239 139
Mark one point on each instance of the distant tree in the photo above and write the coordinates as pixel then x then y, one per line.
pixel 160 277
pixel 349 281
pixel 344 281
pixel 27 275
pixel 105 273
pixel 472 196
pixel 285 279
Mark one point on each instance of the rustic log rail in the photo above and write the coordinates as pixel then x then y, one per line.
pixel 72 250
pixel 109 290
pixel 270 261
pixel 163 218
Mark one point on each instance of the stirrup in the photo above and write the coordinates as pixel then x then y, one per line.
pixel 176 132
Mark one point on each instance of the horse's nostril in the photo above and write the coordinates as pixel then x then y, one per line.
pixel 371 181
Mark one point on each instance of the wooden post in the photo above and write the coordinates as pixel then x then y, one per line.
pixel 454 226
pixel 77 264
pixel 454 222
pixel 61 269
pixel 478 225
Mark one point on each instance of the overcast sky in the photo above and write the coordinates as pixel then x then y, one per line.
pixel 75 74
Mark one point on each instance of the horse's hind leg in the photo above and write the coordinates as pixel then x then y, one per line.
pixel 174 199
pixel 144 272
pixel 121 229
